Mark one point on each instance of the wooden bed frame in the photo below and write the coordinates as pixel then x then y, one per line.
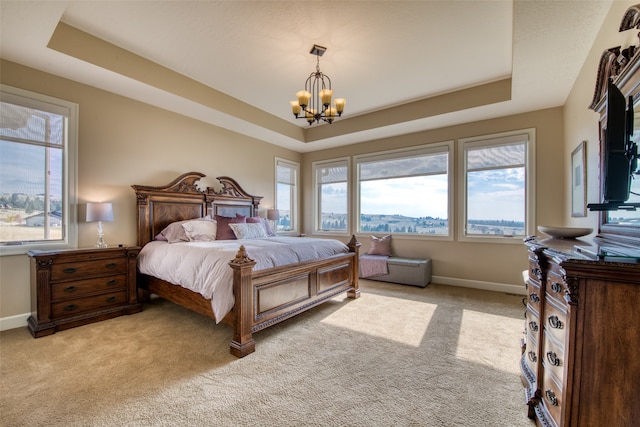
pixel 262 298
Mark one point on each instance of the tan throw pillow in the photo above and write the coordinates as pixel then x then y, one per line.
pixel 200 231
pixel 380 245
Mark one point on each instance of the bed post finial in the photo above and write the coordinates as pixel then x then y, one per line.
pixel 241 256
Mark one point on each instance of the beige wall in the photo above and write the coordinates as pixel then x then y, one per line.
pixel 462 262
pixel 124 142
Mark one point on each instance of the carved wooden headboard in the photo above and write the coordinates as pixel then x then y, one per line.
pixel 181 199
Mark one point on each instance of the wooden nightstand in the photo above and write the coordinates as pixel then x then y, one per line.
pixel 71 288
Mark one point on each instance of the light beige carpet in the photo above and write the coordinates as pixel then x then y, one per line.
pixel 397 356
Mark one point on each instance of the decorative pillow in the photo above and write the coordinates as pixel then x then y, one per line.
pixel 224 231
pixel 175 233
pixel 252 219
pixel 380 245
pixel 265 224
pixel 200 231
pixel 248 231
pixel 267 227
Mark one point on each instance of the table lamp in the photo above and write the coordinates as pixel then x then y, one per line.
pixel 273 215
pixel 102 211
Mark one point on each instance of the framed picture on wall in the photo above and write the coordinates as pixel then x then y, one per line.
pixel 579 180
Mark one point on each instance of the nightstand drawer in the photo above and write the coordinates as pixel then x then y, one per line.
pixel 65 291
pixel 80 269
pixel 82 305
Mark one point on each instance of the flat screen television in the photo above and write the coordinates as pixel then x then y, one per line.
pixel 620 151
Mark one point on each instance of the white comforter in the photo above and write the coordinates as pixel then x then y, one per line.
pixel 203 267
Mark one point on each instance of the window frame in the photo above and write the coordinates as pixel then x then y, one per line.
pixel 317 205
pixel 295 195
pixel 497 139
pixel 432 148
pixel 69 170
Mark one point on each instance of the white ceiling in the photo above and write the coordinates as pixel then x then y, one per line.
pixel 380 54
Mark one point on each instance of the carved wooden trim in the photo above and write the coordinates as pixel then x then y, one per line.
pixel 231 189
pixel 242 257
pixel 614 61
pixel 43 263
pixel 185 183
pixel 631 18
pixel 572 293
pixel 606 69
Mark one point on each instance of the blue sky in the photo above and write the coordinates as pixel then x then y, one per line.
pixel 22 169
pixel 495 194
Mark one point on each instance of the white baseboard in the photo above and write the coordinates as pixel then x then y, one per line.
pixel 475 284
pixel 13 322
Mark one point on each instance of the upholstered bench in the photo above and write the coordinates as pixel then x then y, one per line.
pixel 407 271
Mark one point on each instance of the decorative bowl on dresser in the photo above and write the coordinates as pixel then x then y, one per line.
pixel 71 288
pixel 580 362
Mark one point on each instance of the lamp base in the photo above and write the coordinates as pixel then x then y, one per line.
pixel 101 243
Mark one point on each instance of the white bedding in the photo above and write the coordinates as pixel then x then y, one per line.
pixel 203 267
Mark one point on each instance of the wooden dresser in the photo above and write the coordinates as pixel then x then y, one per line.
pixel 581 355
pixel 70 288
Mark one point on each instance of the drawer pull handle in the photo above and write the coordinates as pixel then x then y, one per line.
pixel 551 397
pixel 70 307
pixel 70 270
pixel 533 326
pixel 537 273
pixel 111 265
pixel 555 322
pixel 112 282
pixel 556 287
pixel 552 357
pixel 70 288
pixel 112 299
pixel 532 356
pixel 534 297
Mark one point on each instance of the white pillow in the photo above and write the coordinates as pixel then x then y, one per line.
pixel 175 233
pixel 250 230
pixel 200 231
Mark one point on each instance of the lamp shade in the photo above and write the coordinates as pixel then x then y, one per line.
pixel 273 214
pixel 102 211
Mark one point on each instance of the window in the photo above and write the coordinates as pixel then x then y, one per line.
pixel 497 194
pixel 287 173
pixel 406 191
pixel 331 185
pixel 37 171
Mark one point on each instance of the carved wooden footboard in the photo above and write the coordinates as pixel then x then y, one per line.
pixel 262 298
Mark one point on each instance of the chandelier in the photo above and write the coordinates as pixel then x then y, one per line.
pixel 314 102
